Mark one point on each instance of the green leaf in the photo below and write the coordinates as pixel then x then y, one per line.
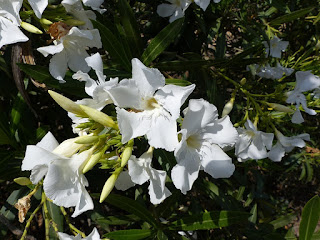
pixel 178 82
pixel 42 75
pixel 254 211
pixel 161 235
pixel 114 220
pixel 290 235
pixel 309 218
pixel 162 41
pixel 18 106
pixel 283 220
pixel 56 215
pixel 132 234
pixel 131 206
pixel 5 137
pixel 130 27
pixel 316 236
pixel 209 220
pixel 112 45
pixel 291 16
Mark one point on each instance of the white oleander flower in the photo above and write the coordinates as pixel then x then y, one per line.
pixel 305 81
pixel 75 8
pixel 286 145
pixel 94 235
pixel 271 72
pixel 203 138
pixel 146 106
pixel 70 51
pixel 203 4
pixel 140 171
pixel 175 9
pixel 252 144
pixel 276 47
pixel 64 182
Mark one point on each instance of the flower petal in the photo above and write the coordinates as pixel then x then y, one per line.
pixel 136 170
pixel 124 181
pixel 277 152
pixel 165 10
pixel 157 190
pixel 38 6
pixel 58 66
pixel 10 33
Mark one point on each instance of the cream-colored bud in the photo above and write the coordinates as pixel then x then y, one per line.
pixel 66 103
pixel 109 185
pixel 99 117
pixel 228 107
pixel 280 108
pixel 94 159
pixel 87 139
pixel 23 181
pixel 30 28
pixel 126 154
pixel 45 21
pixel 68 147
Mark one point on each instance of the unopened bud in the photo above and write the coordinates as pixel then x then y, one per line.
pixel 86 139
pixel 280 108
pixel 99 117
pixel 66 103
pixel 94 159
pixel 30 28
pixel 74 22
pixel 243 81
pixel 109 185
pixel 45 21
pixel 228 107
pixel 22 181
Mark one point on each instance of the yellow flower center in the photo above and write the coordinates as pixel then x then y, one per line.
pixel 151 104
pixel 193 142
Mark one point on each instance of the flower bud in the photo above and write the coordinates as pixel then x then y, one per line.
pixel 109 185
pixel 45 21
pixel 94 159
pixel 99 117
pixel 30 28
pixel 228 107
pixel 66 103
pixel 126 154
pixel 243 81
pixel 86 139
pixel 280 108
pixel 22 181
pixel 68 147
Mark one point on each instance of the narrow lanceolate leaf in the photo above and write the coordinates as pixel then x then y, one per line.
pixel 112 45
pixel 291 16
pixel 254 211
pixel 130 27
pixel 283 220
pixel 162 41
pixel 210 220
pixel 131 206
pixel 309 219
pixel 132 234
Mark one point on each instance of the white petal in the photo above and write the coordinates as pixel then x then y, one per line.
pixel 76 58
pixel 276 153
pixel 137 172
pixel 10 33
pixel 10 9
pixel 186 171
pixel 132 124
pixel 257 150
pixel 216 162
pixel 64 236
pixel 165 10
pixel 38 172
pixel 48 142
pixel 179 13
pixel 243 141
pixel 202 4
pixel 124 181
pixel 199 114
pixel 94 235
pixel 52 49
pixel 172 97
pixel 267 139
pixel 90 84
pixel 67 148
pixel 95 62
pixel 58 65
pixel 297 117
pixel 38 6
pixel 163 132
pixel 157 190
pixel 306 81
pixel 148 80
pixel 84 204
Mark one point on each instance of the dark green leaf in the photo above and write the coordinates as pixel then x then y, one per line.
pixel 112 45
pixel 291 16
pixel 162 41
pixel 114 220
pixel 309 218
pixel 290 235
pixel 283 221
pixel 56 215
pixel 210 220
pixel 132 234
pixel 178 82
pixel 253 217
pixel 131 206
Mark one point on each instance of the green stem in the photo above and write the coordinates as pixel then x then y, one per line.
pixel 71 226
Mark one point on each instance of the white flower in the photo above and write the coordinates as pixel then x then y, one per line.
pixel 151 106
pixel 75 8
pixel 286 145
pixel 272 72
pixel 64 182
pixel 204 3
pixel 203 138
pixel 70 51
pixel 10 33
pixel 252 144
pixel 140 171
pixel 95 5
pixel 276 47
pixel 175 9
pixel 94 235
pixel 316 92
pixel 305 81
